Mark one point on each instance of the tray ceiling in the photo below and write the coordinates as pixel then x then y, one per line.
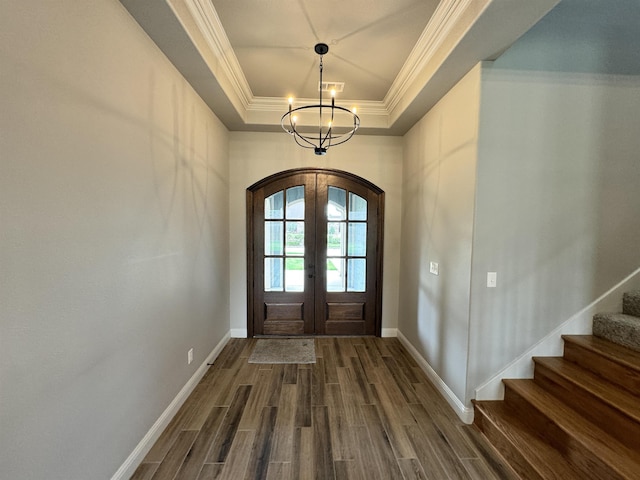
pixel 396 57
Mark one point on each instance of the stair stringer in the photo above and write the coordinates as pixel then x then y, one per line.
pixel 552 345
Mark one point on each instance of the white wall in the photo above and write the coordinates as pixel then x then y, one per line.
pixel 254 156
pixel 438 189
pixel 113 239
pixel 533 175
pixel 557 205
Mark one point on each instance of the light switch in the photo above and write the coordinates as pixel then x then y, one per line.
pixel 492 279
pixel 433 268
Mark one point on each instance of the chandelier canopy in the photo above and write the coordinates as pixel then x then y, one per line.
pixel 335 124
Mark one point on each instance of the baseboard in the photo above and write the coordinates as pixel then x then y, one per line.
pixel 130 465
pixel 552 345
pixel 389 332
pixel 465 413
pixel 238 333
pixel 242 332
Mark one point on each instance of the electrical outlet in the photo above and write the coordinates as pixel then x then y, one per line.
pixel 433 268
pixel 190 356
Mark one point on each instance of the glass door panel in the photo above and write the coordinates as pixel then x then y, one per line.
pixel 273 238
pixel 273 206
pixel 273 274
pixel 357 207
pixel 295 239
pixel 284 240
pixel 335 274
pixel 294 275
pixel 336 239
pixel 357 240
pixel 346 241
pixel 295 203
pixel 337 205
pixel 357 275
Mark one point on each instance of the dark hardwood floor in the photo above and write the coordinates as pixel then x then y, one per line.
pixel 364 410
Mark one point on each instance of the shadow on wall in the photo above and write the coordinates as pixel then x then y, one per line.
pixel 616 204
pixel 437 227
pixel 556 210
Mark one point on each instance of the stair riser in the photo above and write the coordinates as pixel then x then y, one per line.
pixel 605 416
pixel 618 328
pixel 500 440
pixel 574 452
pixel 631 303
pixel 612 371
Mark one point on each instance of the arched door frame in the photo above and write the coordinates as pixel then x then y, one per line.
pixel 250 235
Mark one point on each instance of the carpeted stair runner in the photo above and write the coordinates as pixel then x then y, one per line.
pixel 631 303
pixel 621 328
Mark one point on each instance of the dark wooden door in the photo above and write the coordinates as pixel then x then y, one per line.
pixel 314 254
pixel 282 243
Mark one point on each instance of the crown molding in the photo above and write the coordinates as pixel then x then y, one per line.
pixel 210 26
pixel 445 18
pixel 281 104
pixel 269 110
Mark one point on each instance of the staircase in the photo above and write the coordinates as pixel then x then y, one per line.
pixel 621 328
pixel 579 417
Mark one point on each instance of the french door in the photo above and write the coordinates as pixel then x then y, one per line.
pixel 314 254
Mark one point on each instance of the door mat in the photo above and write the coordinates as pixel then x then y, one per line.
pixel 284 350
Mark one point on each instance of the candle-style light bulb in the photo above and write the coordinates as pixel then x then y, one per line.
pixel 290 103
pixel 333 92
pixel 294 119
pixel 354 110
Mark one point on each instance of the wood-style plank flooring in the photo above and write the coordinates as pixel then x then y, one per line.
pixel 363 411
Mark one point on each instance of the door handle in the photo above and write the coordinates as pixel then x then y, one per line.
pixel 312 270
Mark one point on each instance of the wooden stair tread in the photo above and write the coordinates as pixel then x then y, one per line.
pixel 622 355
pixel 617 398
pixel 540 455
pixel 613 453
pixel 578 418
pixel 618 365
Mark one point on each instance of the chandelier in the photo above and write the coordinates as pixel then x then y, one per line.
pixel 336 124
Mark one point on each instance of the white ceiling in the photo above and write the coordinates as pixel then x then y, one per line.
pixel 396 57
pixel 369 41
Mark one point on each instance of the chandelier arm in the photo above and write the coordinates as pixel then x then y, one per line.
pixel 323 140
pixel 307 140
pixel 329 134
pixel 293 132
pixel 293 128
pixel 347 135
pixel 297 140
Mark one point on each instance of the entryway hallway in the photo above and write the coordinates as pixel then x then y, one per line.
pixel 364 410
